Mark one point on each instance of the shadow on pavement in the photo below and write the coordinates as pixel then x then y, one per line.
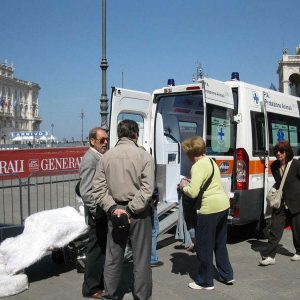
pixel 259 246
pixel 46 268
pixel 184 263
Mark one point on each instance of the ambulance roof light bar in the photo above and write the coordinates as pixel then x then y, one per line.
pixel 171 82
pixel 235 76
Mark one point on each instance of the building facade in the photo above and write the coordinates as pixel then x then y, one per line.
pixel 289 73
pixel 19 104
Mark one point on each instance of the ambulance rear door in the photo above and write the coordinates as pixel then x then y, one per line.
pixel 219 128
pixel 133 105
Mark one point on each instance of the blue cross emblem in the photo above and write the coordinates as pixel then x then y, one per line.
pixel 221 135
pixel 255 97
pixel 280 135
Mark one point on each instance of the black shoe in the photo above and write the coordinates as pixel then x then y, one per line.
pixel 157 264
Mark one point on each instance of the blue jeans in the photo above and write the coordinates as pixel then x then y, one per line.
pixel 155 230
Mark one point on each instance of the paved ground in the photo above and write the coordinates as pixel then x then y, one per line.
pixel 281 281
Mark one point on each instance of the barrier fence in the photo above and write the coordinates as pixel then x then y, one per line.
pixel 21 197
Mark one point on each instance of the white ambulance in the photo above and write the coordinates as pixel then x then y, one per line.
pixel 240 123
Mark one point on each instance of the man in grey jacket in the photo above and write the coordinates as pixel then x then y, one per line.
pixel 93 284
pixel 123 186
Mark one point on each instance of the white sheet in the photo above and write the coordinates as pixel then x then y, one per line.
pixel 44 230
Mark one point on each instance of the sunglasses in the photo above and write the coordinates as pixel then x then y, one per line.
pixel 280 151
pixel 102 140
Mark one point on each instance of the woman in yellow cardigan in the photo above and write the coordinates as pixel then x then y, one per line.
pixel 211 227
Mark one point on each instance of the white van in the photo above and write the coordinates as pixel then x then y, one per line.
pixel 240 123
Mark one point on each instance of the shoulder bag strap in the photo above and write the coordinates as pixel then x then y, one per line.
pixel 284 175
pixel 208 181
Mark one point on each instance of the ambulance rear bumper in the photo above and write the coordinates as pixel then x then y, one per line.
pixel 246 206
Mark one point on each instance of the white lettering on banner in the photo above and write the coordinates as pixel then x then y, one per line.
pixel 33 165
pixel 61 163
pixel 11 166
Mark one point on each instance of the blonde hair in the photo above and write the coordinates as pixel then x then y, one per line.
pixel 194 146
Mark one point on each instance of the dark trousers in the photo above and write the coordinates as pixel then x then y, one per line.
pixel 211 237
pixel 280 217
pixel 139 233
pixel 95 258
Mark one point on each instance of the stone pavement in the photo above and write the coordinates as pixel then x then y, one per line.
pixel 281 281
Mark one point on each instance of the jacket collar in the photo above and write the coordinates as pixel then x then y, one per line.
pixel 96 152
pixel 124 141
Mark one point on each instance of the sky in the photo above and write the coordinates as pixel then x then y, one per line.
pixel 57 44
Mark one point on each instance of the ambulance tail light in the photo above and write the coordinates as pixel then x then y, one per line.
pixel 242 169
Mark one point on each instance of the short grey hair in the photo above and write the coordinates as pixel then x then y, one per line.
pixel 93 133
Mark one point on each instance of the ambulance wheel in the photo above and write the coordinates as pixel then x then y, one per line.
pixel 58 256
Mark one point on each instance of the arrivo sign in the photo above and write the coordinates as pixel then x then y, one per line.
pixel 25 162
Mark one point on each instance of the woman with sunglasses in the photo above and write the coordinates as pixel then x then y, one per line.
pixel 289 209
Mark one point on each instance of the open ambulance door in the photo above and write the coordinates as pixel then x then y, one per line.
pixel 133 105
pixel 218 131
pixel 268 178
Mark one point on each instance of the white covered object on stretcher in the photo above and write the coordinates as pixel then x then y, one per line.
pixel 43 231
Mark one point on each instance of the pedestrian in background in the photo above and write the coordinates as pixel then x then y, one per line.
pixel 155 262
pixel 123 186
pixel 212 212
pixel 93 284
pixel 289 210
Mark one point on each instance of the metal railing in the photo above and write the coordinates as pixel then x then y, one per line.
pixel 11 212
pixel 48 190
pixel 42 145
pixel 40 191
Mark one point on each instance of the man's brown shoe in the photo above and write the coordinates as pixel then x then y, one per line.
pixel 97 295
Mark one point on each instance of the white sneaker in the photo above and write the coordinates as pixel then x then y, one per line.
pixel 266 261
pixel 229 282
pixel 195 286
pixel 296 257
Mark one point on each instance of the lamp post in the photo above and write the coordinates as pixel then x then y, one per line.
pixel 104 66
pixel 82 116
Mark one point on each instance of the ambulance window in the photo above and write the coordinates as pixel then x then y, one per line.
pixel 187 129
pixel 258 133
pixel 176 109
pixel 137 118
pixel 219 138
pixel 284 128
